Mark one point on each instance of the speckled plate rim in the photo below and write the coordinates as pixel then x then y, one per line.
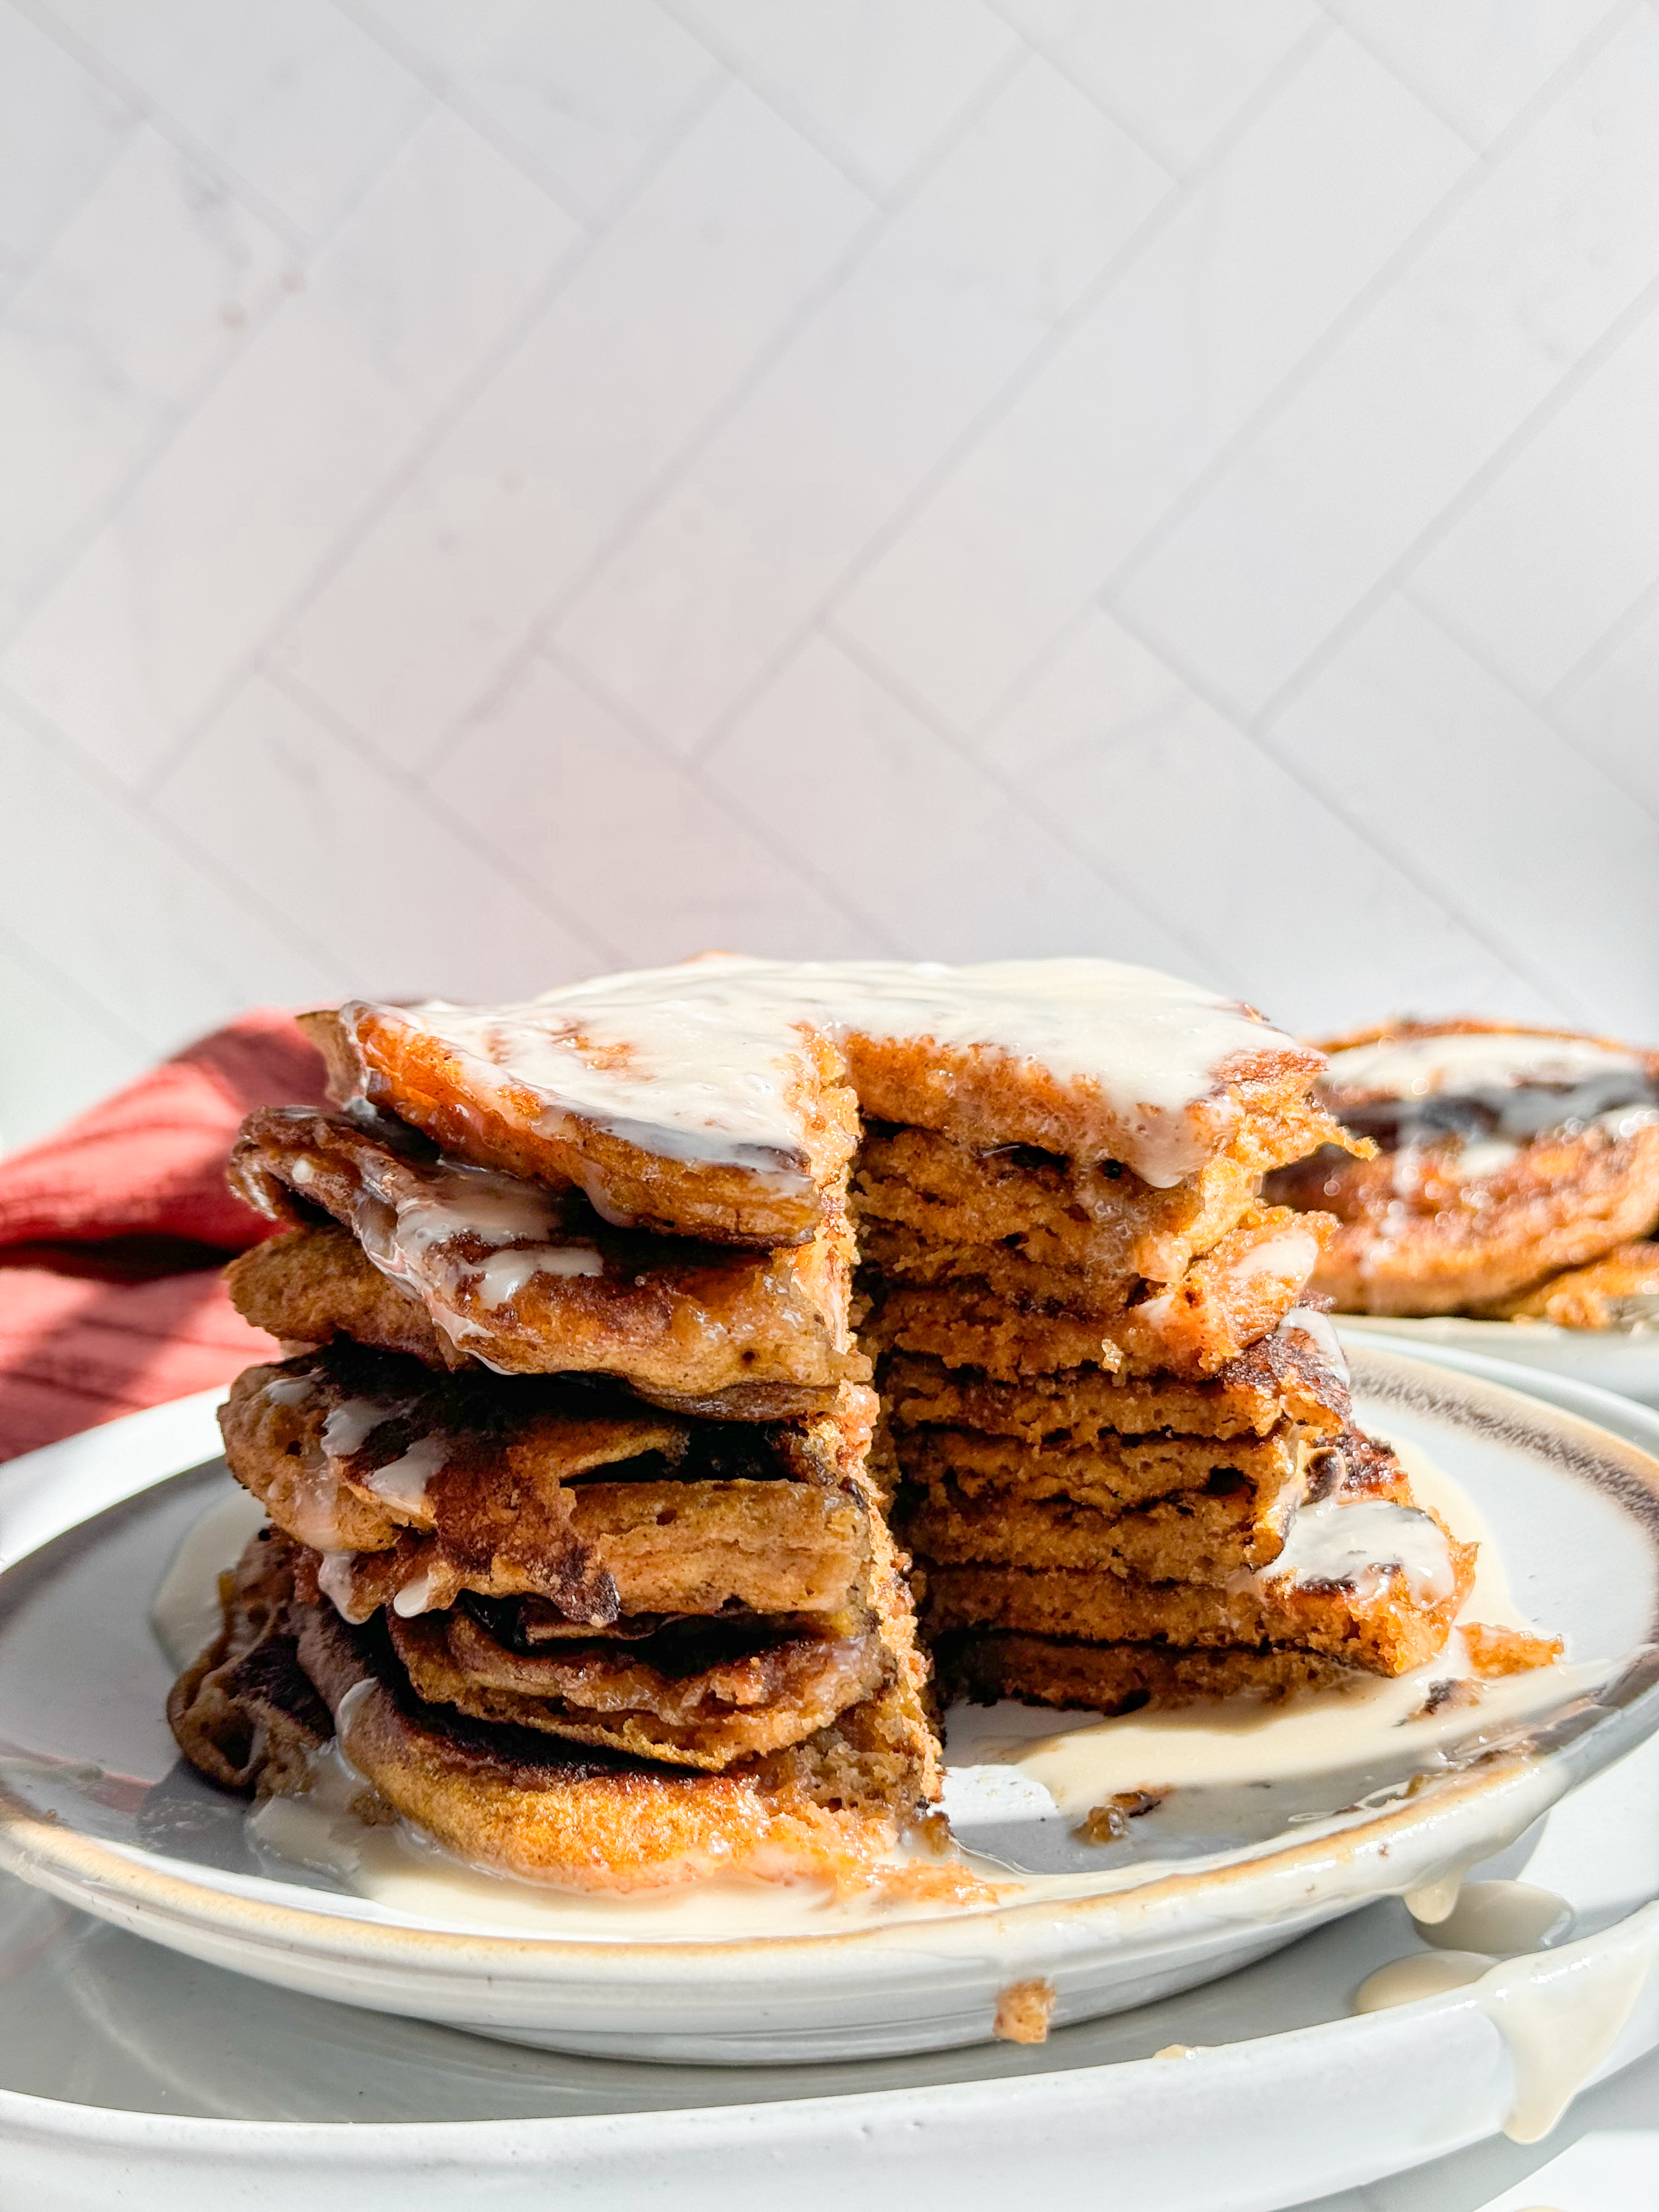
pixel 1624 1361
pixel 411 1967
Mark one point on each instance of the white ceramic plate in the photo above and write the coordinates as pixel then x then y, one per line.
pixel 94 1808
pixel 1623 1360
pixel 131 2075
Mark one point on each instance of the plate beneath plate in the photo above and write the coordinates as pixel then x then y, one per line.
pixel 194 2088
pixel 1624 1360
pixel 95 1808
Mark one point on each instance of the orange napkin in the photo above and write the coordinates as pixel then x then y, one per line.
pixel 112 1232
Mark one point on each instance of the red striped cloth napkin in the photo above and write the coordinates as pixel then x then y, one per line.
pixel 113 1232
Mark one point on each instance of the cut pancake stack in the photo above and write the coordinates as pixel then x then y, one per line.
pixel 579 1540
pixel 1128 1471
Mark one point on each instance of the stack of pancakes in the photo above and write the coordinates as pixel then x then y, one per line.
pixel 579 1497
pixel 1517 1176
pixel 571 1514
pixel 1126 1458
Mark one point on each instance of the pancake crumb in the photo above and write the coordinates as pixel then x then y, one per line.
pixel 1022 2012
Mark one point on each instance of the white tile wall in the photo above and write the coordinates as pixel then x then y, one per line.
pixel 494 488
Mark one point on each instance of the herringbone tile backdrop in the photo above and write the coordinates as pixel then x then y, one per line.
pixel 491 490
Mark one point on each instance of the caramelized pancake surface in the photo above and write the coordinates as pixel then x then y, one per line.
pixel 527 1280
pixel 421 1488
pixel 705 1699
pixel 524 1802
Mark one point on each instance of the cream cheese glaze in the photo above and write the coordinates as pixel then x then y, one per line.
pixel 1359 1541
pixel 1423 1067
pixel 700 1062
pixel 411 1233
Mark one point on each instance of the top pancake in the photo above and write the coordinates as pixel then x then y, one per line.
pixel 721 1098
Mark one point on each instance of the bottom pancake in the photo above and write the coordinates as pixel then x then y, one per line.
pixel 287 1672
pixel 1119 1678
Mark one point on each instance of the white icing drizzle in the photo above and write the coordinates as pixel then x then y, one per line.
pixel 351 1424
pixel 289 1389
pixel 1358 1542
pixel 1475 1162
pixel 1321 1332
pixel 414 1596
pixel 334 1580
pixel 702 1062
pixel 408 1221
pixel 1499 1917
pixel 507 1272
pixel 404 1481
pixel 1423 1067
pixel 1290 1252
pixel 1420 1974
pixel 1620 1122
pixel 1559 2011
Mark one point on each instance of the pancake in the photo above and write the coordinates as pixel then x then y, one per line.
pixel 1109 1474
pixel 417 1488
pixel 1510 1155
pixel 965 1325
pixel 986 1664
pixel 585 1522
pixel 1091 1222
pixel 1618 1290
pixel 980 1500
pixel 1225 1302
pixel 1291 1375
pixel 720 1099
pixel 528 1280
pixel 706 1697
pixel 1374 1619
pixel 528 1804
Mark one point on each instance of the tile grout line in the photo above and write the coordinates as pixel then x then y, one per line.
pixel 1118 264
pixel 1624 327
pixel 1601 648
pixel 426 802
pixel 70 987
pixel 794 323
pixel 102 70
pixel 1045 48
pixel 1455 635
pixel 777 97
pixel 46 247
pixel 835 894
pixel 1367 46
pixel 1427 886
pixel 39 591
pixel 567 266
pixel 899 693
pixel 201 857
pixel 1478 173
pixel 443 88
pixel 1475 487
